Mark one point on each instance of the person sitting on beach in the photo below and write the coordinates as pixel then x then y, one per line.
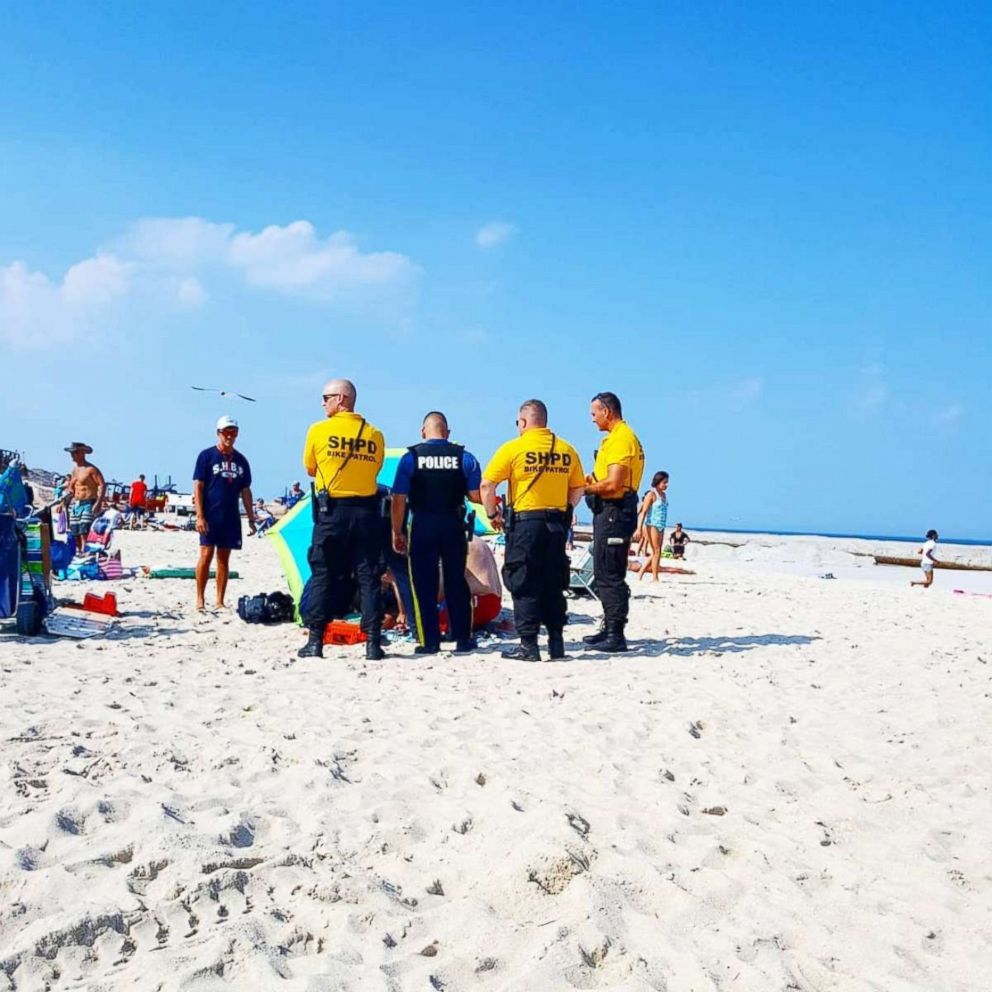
pixel 85 489
pixel 114 516
pixel 263 517
pixel 678 540
pixel 927 560
pixel 294 496
pixel 484 583
pixel 652 519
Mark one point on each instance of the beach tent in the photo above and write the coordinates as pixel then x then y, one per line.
pixel 291 534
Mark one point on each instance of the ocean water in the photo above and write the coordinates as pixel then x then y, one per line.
pixel 864 537
pixel 903 538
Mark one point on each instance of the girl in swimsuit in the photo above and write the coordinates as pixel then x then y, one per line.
pixel 651 523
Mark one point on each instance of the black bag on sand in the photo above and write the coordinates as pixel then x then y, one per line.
pixel 274 607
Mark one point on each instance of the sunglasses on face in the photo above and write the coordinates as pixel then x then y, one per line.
pixel 331 396
pixel 229 433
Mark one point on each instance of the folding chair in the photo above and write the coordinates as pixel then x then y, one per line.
pixel 100 536
pixel 580 572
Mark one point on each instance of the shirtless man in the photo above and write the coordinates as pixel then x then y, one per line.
pixel 85 491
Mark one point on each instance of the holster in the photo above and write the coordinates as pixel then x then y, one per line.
pixel 595 502
pixel 619 516
pixel 321 504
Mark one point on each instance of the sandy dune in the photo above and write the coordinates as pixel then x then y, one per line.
pixel 784 786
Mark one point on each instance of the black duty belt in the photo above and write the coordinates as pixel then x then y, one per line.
pixel 554 515
pixel 349 500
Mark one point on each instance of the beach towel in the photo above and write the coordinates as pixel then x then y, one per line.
pixel 110 566
pixel 100 533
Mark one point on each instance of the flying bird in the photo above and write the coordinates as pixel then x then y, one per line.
pixel 223 392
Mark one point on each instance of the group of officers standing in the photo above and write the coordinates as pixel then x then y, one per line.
pixel 343 453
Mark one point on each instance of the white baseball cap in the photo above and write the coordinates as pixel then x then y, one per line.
pixel 226 422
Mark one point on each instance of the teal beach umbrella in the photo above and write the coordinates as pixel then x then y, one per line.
pixel 292 533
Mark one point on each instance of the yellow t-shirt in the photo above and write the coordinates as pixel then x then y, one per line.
pixel 621 447
pixel 328 444
pixel 521 459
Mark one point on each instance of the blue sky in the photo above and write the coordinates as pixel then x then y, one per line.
pixel 767 228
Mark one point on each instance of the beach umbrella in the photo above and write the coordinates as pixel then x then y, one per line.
pixel 291 534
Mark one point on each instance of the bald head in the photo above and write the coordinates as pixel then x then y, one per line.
pixel 339 394
pixel 435 426
pixel 534 413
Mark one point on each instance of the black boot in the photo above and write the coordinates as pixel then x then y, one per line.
pixel 373 646
pixel 314 647
pixel 556 645
pixel 526 650
pixel 598 637
pixel 614 642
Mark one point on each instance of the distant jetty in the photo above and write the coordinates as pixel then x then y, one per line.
pixel 914 563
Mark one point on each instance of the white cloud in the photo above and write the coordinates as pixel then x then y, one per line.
pixel 36 312
pixel 172 258
pixel 496 232
pixel 180 243
pixel 191 293
pixel 950 414
pixel 294 260
pixel 95 282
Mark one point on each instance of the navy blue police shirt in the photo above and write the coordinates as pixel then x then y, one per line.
pixel 223 477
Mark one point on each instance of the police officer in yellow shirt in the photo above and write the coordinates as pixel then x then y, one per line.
pixel 544 482
pixel 611 494
pixel 343 453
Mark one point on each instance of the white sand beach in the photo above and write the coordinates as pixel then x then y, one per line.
pixel 784 786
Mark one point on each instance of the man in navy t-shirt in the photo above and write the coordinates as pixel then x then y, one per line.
pixel 221 480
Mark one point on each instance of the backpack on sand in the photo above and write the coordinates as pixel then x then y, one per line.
pixel 273 607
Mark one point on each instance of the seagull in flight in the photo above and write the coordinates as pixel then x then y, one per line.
pixel 223 392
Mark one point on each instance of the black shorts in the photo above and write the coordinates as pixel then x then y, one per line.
pixel 222 532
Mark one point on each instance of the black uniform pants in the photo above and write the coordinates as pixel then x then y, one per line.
pixel 535 571
pixel 613 525
pixel 433 540
pixel 347 542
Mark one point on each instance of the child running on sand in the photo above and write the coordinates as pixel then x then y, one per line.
pixel 927 561
pixel 651 522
